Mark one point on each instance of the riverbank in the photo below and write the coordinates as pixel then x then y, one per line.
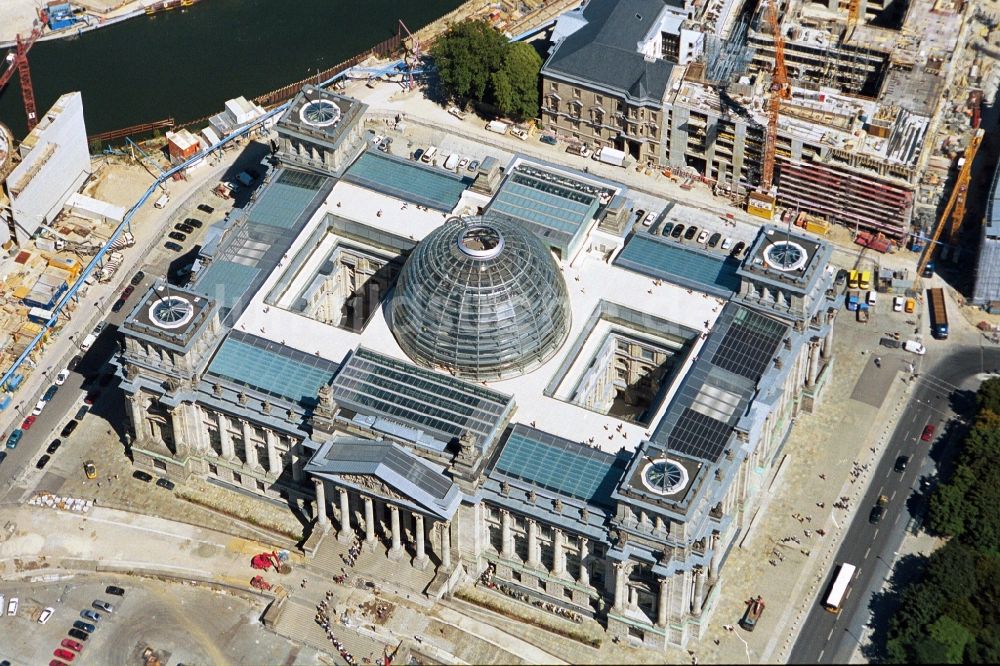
pixel 18 17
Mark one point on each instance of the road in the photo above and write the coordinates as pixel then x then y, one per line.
pixel 832 638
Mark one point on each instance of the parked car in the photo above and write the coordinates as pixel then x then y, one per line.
pixel 64 654
pixel 678 230
pixel 897 303
pixel 115 590
pixel 75 361
pixel 54 446
pixel 727 243
pixel 691 232
pixel 14 437
pixel 46 614
pixel 90 615
pixel 549 139
pixel 56 662
pixel 71 644
pixel 667 228
pixel 119 304
pixel 92 397
pixel 128 291
pixel 165 483
pixel 90 469
pixel 43 461
pixel 738 250
pixel 194 222
pixel 50 392
pixel 177 236
pixel 3 456
pixel 80 413
pixel 77 633
pixel 703 236
pixel 84 626
pixel 184 228
pixel 901 463
pixel 137 278
pixel 462 163
pixel 473 165
pixel 62 376
pixel 28 422
pixel 68 429
pixel 103 606
pixel 205 208
pixel 928 433
pixel 714 239
pixel 36 412
pixel 142 476
pixel 170 245
pixel 12 606
pixel 871 298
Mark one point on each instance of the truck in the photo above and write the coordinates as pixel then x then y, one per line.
pixel 610 156
pixel 938 312
pixel 863 313
pixel 853 300
pixel 755 608
pixel 497 126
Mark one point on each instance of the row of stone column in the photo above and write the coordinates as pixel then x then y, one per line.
pixel 627 596
pixel 534 551
pixel 396 550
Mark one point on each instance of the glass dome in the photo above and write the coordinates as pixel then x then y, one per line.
pixel 481 299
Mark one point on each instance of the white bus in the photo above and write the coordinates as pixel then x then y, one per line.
pixel 839 587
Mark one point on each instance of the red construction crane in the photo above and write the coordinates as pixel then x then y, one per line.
pixel 779 91
pixel 19 62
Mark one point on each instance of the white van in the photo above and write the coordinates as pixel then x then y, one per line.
pixel 161 202
pixel 429 155
pixel 914 347
pixel 88 342
pixel 451 162
pixel 497 126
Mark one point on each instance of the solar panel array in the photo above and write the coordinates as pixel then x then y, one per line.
pixel 559 465
pixel 271 368
pixel 749 344
pixel 378 385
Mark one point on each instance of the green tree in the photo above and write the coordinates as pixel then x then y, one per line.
pixel 467 56
pixel 952 637
pixel 476 62
pixel 521 68
pixel 988 396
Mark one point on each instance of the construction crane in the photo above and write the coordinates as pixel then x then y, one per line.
pixel 853 14
pixel 762 202
pixel 415 53
pixel 19 62
pixel 954 211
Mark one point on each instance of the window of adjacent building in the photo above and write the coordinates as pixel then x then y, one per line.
pixel 260 486
pixel 568 592
pixel 576 93
pixel 213 469
pixel 554 87
pixel 160 465
pixel 652 116
pixel 598 100
pixel 237 478
pixel 515 576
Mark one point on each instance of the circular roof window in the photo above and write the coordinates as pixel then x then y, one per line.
pixel 171 312
pixel 786 256
pixel 481 242
pixel 320 113
pixel 664 476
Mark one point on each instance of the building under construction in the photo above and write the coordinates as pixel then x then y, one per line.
pixel 865 78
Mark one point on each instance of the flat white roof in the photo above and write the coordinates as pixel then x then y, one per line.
pixel 589 282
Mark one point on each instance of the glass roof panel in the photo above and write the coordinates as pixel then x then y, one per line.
pixel 559 465
pixel 407 180
pixel 670 260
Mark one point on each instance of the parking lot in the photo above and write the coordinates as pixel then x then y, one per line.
pixel 180 623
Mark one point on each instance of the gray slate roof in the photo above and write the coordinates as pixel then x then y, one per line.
pixel 603 53
pixel 392 464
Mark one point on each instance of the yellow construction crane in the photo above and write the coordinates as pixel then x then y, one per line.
pixel 954 211
pixel 853 14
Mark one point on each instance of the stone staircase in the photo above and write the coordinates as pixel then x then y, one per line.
pixel 297 623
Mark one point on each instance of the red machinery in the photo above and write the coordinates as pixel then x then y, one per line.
pixel 265 561
pixel 19 63
pixel 258 583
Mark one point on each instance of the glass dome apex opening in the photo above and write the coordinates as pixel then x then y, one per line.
pixel 481 299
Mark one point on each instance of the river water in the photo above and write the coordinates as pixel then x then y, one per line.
pixel 186 63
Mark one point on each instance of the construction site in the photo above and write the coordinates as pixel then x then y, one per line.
pixel 853 113
pixel 877 101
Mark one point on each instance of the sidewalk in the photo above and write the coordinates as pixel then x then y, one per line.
pixel 148 227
